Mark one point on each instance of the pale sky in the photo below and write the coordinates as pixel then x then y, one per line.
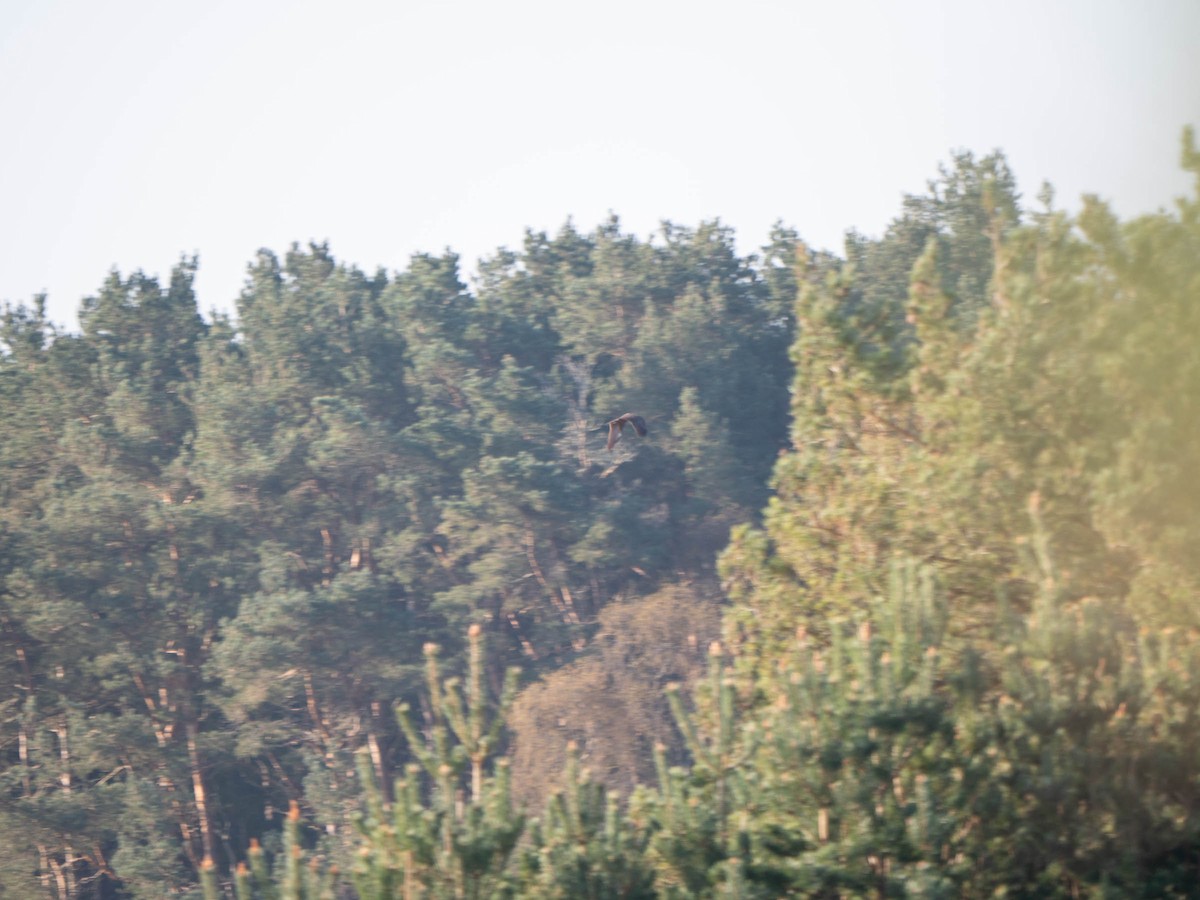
pixel 135 131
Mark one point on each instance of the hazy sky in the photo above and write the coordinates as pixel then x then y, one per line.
pixel 134 131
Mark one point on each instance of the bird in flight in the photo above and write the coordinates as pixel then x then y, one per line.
pixel 617 427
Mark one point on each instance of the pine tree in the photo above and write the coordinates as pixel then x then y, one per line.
pixel 457 843
pixel 115 621
pixel 585 847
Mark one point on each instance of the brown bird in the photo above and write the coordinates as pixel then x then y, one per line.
pixel 617 427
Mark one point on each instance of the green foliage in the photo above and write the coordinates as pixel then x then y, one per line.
pixel 585 847
pixel 940 763
pixel 998 444
pixel 451 845
pixel 223 546
pixel 1051 756
pixel 290 878
pixel 927 437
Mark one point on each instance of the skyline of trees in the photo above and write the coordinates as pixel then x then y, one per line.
pixel 226 547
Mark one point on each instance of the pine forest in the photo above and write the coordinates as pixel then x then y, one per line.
pixel 344 596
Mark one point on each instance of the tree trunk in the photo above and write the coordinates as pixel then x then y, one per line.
pixel 206 840
pixel 376 753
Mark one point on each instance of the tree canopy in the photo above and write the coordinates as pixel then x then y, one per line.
pixel 897 595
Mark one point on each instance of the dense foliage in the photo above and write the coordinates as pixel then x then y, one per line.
pixel 225 545
pixel 959 655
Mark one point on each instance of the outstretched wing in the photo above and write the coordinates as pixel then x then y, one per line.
pixel 638 423
pixel 614 433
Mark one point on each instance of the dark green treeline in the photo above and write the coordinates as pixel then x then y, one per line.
pixel 225 545
pixel 959 655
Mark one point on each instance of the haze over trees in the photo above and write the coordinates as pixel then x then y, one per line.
pixel 897 596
